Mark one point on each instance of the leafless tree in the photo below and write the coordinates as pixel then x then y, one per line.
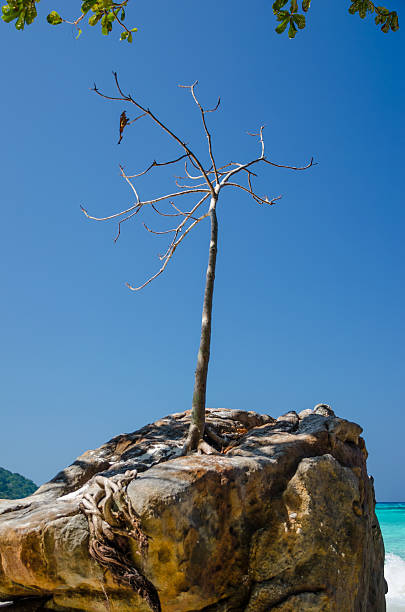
pixel 206 183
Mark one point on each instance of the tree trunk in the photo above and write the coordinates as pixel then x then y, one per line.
pixel 197 425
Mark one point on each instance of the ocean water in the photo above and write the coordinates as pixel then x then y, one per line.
pixel 391 517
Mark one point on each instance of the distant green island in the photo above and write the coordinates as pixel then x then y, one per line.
pixel 15 486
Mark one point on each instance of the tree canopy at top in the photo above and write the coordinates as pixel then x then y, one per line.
pixel 108 12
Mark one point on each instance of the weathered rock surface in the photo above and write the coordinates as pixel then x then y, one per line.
pixel 281 519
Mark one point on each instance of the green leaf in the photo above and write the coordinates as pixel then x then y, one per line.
pixel 122 15
pixel 386 27
pixel 305 5
pixel 19 24
pixel 87 5
pixel 9 14
pixel 299 20
pixel 294 6
pixel 278 4
pixel 129 37
pixel 353 8
pixel 31 12
pixel 94 19
pixel 282 26
pixel 79 33
pixel 54 18
pixel 124 35
pixel 292 30
pixel 394 22
pixel 281 15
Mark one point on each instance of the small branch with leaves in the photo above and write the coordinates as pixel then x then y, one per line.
pixel 108 12
pixel 297 21
pixel 105 12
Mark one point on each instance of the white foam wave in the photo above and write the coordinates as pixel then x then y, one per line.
pixel 395 576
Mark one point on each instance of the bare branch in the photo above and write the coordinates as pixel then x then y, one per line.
pixel 156 164
pixel 122 221
pixel 175 195
pixel 136 118
pixel 190 227
pixel 149 279
pixel 114 216
pixel 98 92
pixel 256 197
pixel 166 214
pixel 186 186
pixel 262 159
pixel 182 224
pixel 160 199
pixel 170 253
pixel 129 183
pixel 179 214
pixel 169 231
pixel 207 133
pixel 248 172
pixel 209 171
pixel 128 98
pixel 193 157
pixel 182 213
pixel 189 175
pixel 308 165
pixel 212 110
pixel 260 135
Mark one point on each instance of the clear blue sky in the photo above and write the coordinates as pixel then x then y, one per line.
pixel 309 300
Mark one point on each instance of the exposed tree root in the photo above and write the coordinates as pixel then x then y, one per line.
pixel 112 522
pixel 218 441
pixel 194 443
pixel 192 440
pixel 214 444
pixel 206 449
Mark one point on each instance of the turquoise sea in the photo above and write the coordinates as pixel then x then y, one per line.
pixel 392 522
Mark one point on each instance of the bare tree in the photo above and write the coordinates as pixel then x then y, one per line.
pixel 206 183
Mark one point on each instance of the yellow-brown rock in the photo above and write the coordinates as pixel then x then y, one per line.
pixel 281 520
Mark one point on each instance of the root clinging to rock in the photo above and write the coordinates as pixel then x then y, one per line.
pixel 112 522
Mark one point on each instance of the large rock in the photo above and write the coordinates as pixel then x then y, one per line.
pixel 281 519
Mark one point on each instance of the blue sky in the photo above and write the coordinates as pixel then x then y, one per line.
pixel 309 299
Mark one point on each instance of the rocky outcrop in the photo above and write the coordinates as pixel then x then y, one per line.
pixel 280 516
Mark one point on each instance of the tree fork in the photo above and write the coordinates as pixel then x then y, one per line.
pixel 197 425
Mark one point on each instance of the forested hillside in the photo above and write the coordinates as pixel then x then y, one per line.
pixel 15 486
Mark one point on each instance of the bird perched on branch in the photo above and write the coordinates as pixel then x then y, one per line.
pixel 123 122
